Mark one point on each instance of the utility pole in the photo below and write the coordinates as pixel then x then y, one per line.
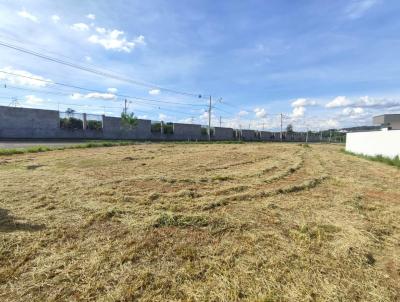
pixel 220 121
pixel 209 120
pixel 14 103
pixel 125 107
pixel 330 136
pixel 281 126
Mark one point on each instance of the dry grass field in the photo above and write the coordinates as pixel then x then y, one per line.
pixel 199 222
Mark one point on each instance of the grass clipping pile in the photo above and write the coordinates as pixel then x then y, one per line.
pixel 157 222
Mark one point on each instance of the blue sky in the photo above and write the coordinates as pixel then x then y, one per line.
pixel 320 63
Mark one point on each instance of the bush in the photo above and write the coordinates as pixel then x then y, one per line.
pixel 71 123
pixel 168 128
pixel 94 125
pixel 204 131
pixel 156 127
pixel 129 120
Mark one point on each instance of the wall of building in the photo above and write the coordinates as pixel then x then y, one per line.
pixel 386 143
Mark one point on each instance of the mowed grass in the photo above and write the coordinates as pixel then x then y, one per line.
pixel 199 222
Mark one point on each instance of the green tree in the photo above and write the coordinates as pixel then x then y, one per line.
pixel 129 120
pixel 289 129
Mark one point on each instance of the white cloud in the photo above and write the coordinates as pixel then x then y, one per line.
pixel 154 91
pixel 115 40
pixel 302 102
pixel 260 112
pixel 357 8
pixel 33 100
pixel 298 111
pixel 88 58
pixel 101 30
pixel 80 27
pixel 330 123
pixel 55 18
pixel 365 101
pixel 339 101
pixel 143 117
pixel 352 112
pixel 24 14
pixel 112 90
pixel 188 120
pixel 162 117
pixel 91 16
pixel 26 79
pixel 93 95
pixel 243 113
pixel 204 116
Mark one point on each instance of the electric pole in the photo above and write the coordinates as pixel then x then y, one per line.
pixel 209 120
pixel 281 126
pixel 125 107
pixel 14 103
pixel 220 121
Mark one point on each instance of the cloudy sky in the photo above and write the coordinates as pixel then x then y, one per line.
pixel 321 63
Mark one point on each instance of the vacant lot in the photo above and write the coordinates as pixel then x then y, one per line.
pixel 219 222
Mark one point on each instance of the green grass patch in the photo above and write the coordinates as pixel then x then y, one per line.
pixel 379 158
pixel 37 149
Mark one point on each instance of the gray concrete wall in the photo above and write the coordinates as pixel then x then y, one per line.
pixel 28 123
pixel 113 129
pixel 223 134
pixel 249 135
pixel 186 132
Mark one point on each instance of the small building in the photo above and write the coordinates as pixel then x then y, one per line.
pixel 389 121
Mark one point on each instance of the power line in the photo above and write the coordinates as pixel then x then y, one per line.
pixel 102 107
pixel 71 93
pixel 93 90
pixel 95 71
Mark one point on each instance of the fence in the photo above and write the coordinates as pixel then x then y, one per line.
pixel 50 124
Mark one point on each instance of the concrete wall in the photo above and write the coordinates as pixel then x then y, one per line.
pixel 186 132
pixel 249 135
pixel 113 129
pixel 28 123
pixel 45 124
pixel 386 143
pixel 223 134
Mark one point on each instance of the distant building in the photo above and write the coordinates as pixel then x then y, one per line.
pixel 389 121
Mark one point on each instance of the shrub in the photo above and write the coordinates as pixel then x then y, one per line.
pixel 204 131
pixel 129 120
pixel 94 125
pixel 156 127
pixel 168 128
pixel 71 123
